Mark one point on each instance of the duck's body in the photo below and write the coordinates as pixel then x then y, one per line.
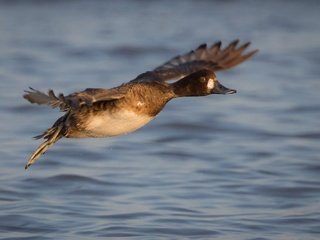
pixel 124 109
pixel 139 105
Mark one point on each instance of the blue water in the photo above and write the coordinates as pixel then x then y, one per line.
pixel 243 166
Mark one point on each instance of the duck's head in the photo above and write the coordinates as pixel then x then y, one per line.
pixel 201 83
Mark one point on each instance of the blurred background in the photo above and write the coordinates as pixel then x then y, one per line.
pixel 243 166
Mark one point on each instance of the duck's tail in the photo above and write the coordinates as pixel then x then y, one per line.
pixel 52 135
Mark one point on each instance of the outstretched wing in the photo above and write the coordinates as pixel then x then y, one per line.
pixel 212 58
pixel 74 100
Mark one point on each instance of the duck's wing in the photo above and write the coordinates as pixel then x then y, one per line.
pixel 214 58
pixel 75 100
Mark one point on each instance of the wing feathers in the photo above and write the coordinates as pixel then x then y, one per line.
pixel 213 58
pixel 75 100
pixel 35 96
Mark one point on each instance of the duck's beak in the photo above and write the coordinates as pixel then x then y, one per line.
pixel 220 89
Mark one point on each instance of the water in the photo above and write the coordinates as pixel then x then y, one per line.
pixel 243 166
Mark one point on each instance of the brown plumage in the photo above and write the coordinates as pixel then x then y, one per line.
pixel 123 109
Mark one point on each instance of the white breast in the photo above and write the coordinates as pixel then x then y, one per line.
pixel 112 124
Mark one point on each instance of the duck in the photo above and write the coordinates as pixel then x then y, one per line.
pixel 109 112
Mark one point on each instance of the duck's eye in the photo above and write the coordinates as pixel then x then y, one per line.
pixel 202 79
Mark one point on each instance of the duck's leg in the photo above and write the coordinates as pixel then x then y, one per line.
pixel 52 135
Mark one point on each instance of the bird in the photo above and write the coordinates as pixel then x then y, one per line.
pixel 102 112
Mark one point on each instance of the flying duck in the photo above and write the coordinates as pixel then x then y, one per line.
pixel 99 112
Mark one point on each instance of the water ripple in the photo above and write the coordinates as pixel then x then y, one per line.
pixel 242 166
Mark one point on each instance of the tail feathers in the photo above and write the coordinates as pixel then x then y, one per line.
pixel 52 135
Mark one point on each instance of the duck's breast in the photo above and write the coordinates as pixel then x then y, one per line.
pixel 108 124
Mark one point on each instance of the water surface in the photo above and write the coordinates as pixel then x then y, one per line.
pixel 243 166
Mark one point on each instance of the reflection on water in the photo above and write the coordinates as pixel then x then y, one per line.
pixel 244 166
